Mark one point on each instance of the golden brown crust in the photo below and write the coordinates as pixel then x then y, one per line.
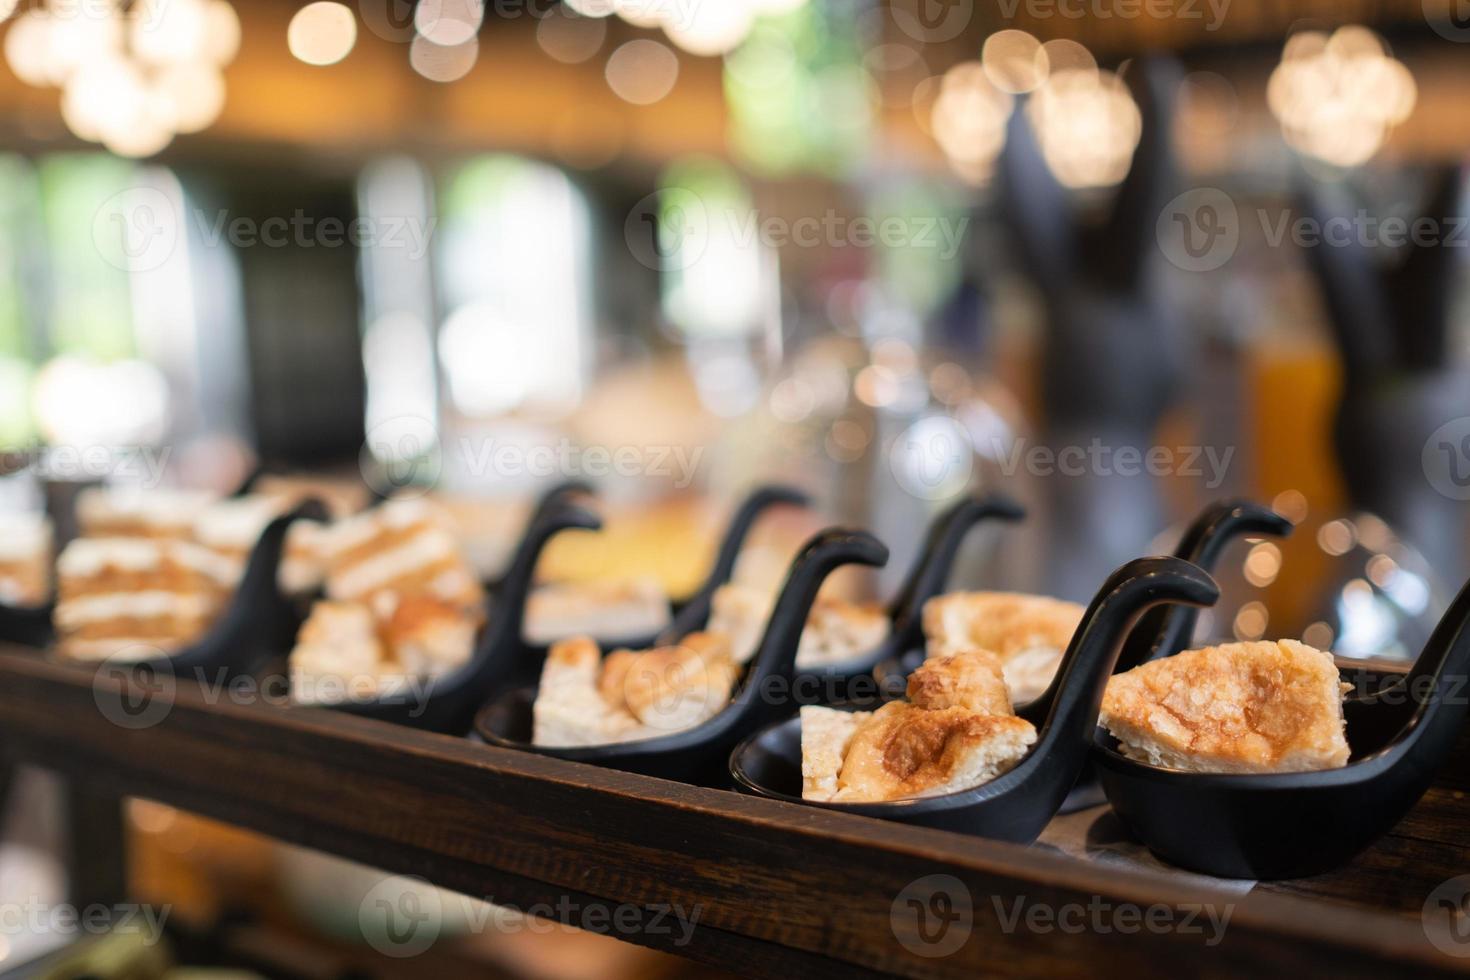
pixel 971 680
pixel 956 731
pixel 585 700
pixel 1029 633
pixel 906 751
pixel 1007 623
pixel 1239 707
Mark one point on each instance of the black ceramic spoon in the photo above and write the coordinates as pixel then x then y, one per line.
pixel 448 703
pixel 698 754
pixel 697 608
pixel 557 495
pixel 927 577
pixel 29 626
pixel 1166 630
pixel 260 620
pixel 1016 805
pixel 1286 825
pixel 694 614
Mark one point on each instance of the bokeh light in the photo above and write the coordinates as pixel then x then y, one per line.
pixel 1337 97
pixel 969 120
pixel 1087 125
pixel 439 63
pixel 642 71
pixel 322 33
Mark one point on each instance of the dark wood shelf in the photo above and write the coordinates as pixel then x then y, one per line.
pixel 780 889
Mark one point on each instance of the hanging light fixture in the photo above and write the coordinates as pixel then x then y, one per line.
pixel 130 78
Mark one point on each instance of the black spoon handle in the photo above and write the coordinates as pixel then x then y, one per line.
pixel 931 568
pixel 453 699
pixel 1165 630
pixel 774 664
pixel 557 495
pixel 506 610
pixel 1439 674
pixel 695 612
pixel 260 618
pixel 1070 705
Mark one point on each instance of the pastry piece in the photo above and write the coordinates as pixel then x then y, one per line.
pixel 130 512
pixel 1239 708
pixel 25 559
pixel 1029 633
pixel 428 636
pixel 570 710
pixel 345 651
pixel 585 700
pixel 232 527
pixel 825 734
pixel 400 548
pixel 972 680
pixel 836 630
pixel 956 732
pixel 118 592
pixel 338 654
pixel 626 608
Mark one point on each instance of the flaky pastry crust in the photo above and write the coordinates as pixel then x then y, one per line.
pixel 1265 706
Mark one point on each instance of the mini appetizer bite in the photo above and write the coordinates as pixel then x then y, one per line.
pixel 956 731
pixel 1236 708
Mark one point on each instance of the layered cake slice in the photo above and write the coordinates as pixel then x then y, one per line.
pixel 153 594
pixel 25 559
pixel 131 512
pixel 403 547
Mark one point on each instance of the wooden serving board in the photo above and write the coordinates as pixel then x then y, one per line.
pixel 779 889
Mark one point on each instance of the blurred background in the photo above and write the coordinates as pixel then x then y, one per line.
pixel 1115 258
